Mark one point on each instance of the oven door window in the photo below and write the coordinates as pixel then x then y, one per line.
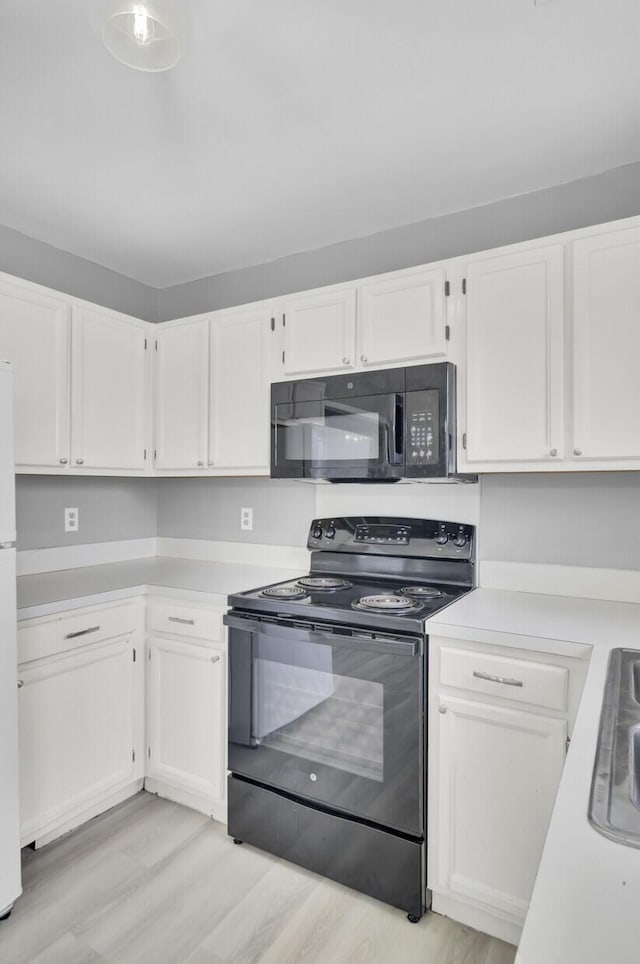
pixel 328 719
pixel 318 715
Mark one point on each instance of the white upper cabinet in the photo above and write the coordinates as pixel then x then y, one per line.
pixel 108 390
pixel 34 337
pixel 181 395
pixel 606 339
pixel 239 424
pixel 319 331
pixel 515 357
pixel 402 318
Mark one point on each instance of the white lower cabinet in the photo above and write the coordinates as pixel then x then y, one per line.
pixel 496 753
pixel 80 731
pixel 186 730
pixel 84 703
pixel 186 699
pixel 499 772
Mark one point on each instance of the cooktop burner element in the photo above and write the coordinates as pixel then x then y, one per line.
pixel 327 583
pixel 284 592
pixel 420 592
pixel 386 602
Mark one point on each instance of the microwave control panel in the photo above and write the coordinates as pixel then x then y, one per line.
pixel 422 443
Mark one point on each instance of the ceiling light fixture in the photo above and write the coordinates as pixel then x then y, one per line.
pixel 147 35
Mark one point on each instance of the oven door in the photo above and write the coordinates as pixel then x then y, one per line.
pixel 336 719
pixel 316 437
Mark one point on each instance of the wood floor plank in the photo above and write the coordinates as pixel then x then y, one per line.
pixel 245 934
pixel 67 949
pixel 151 882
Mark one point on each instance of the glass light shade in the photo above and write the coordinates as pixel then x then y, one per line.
pixel 147 35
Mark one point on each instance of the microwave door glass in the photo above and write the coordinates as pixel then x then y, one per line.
pixel 333 436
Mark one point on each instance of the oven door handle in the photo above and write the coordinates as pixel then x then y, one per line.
pixel 391 645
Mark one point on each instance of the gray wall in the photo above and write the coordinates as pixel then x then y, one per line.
pixel 605 197
pixel 210 509
pixel 45 265
pixel 109 509
pixel 586 519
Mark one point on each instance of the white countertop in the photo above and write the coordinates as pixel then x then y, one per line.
pixel 585 907
pixel 51 592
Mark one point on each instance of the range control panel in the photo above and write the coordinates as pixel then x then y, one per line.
pixel 422 538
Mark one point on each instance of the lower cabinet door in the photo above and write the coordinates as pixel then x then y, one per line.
pixel 499 771
pixel 77 729
pixel 186 716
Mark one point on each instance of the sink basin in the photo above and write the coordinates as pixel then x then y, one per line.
pixel 614 807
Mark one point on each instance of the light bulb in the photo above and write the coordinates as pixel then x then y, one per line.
pixel 147 35
pixel 142 26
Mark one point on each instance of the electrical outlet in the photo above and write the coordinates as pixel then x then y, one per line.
pixel 71 520
pixel 246 518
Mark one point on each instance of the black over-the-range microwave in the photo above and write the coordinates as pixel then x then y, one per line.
pixel 379 426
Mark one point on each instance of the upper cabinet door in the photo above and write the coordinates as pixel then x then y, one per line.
pixel 402 318
pixel 239 424
pixel 108 390
pixel 319 332
pixel 34 337
pixel 181 395
pixel 606 336
pixel 515 342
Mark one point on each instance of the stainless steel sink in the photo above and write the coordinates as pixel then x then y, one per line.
pixel 614 808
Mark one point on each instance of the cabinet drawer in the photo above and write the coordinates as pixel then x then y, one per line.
pixel 519 680
pixel 185 621
pixel 38 639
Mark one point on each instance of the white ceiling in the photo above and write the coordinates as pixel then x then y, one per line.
pixel 291 124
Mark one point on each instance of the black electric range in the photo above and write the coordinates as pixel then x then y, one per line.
pixel 327 702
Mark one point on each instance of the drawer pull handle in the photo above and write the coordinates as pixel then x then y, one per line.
pixel 179 619
pixel 82 632
pixel 498 679
pixel 215 659
pixel 20 684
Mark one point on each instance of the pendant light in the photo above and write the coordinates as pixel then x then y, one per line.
pixel 147 35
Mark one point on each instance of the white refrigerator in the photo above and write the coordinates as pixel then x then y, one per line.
pixel 10 884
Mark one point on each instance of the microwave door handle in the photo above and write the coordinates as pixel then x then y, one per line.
pixel 398 429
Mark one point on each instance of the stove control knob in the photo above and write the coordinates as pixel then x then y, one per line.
pixel 442 538
pixel 317 533
pixel 330 532
pixel 460 540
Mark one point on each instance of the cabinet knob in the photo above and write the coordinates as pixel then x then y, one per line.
pixel 577 451
pixel 553 452
pixel 215 659
pixel 345 360
pixel 443 708
pixel 200 463
pixel 20 684
pixel 210 462
pixel 63 461
pixel 363 358
pixel 79 461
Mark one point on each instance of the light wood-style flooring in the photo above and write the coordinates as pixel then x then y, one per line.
pixel 151 882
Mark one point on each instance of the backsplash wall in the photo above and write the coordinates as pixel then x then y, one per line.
pixel 590 519
pixel 571 519
pixel 210 509
pixel 109 509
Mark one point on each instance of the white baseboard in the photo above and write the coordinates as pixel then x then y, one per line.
pixel 243 553
pixel 615 585
pixel 489 923
pixel 31 561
